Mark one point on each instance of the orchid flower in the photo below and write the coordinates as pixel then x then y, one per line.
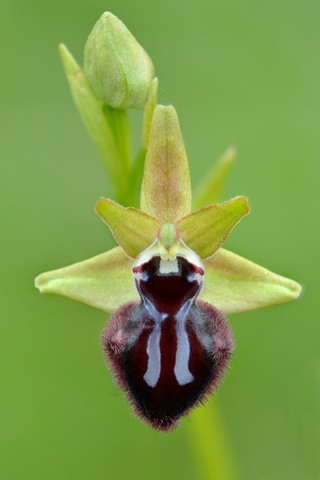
pixel 169 283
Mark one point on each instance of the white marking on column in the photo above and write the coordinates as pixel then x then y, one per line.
pixel 168 266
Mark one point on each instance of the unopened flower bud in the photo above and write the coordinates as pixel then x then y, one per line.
pixel 116 66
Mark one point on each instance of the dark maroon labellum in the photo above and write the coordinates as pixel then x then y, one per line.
pixel 168 351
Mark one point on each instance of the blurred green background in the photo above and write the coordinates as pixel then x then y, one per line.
pixel 244 73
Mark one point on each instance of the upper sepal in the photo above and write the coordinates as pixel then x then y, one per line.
pixel 166 187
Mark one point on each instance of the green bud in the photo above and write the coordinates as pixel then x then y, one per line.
pixel 117 68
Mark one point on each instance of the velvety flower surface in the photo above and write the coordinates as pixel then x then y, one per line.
pixel 169 284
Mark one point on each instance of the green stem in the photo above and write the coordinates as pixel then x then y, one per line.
pixel 209 444
pixel 135 179
pixel 120 125
pixel 150 105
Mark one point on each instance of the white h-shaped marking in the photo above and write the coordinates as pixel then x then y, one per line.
pixel 181 368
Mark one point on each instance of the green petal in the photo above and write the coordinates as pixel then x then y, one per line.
pixel 234 284
pixel 104 281
pixel 206 229
pixel 95 120
pixel 166 189
pixel 210 189
pixel 132 229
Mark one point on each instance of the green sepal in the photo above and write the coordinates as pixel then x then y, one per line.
pixel 95 120
pixel 234 284
pixel 206 229
pixel 104 281
pixel 132 229
pixel 209 191
pixel 166 188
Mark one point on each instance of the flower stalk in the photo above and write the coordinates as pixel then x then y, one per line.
pixel 210 445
